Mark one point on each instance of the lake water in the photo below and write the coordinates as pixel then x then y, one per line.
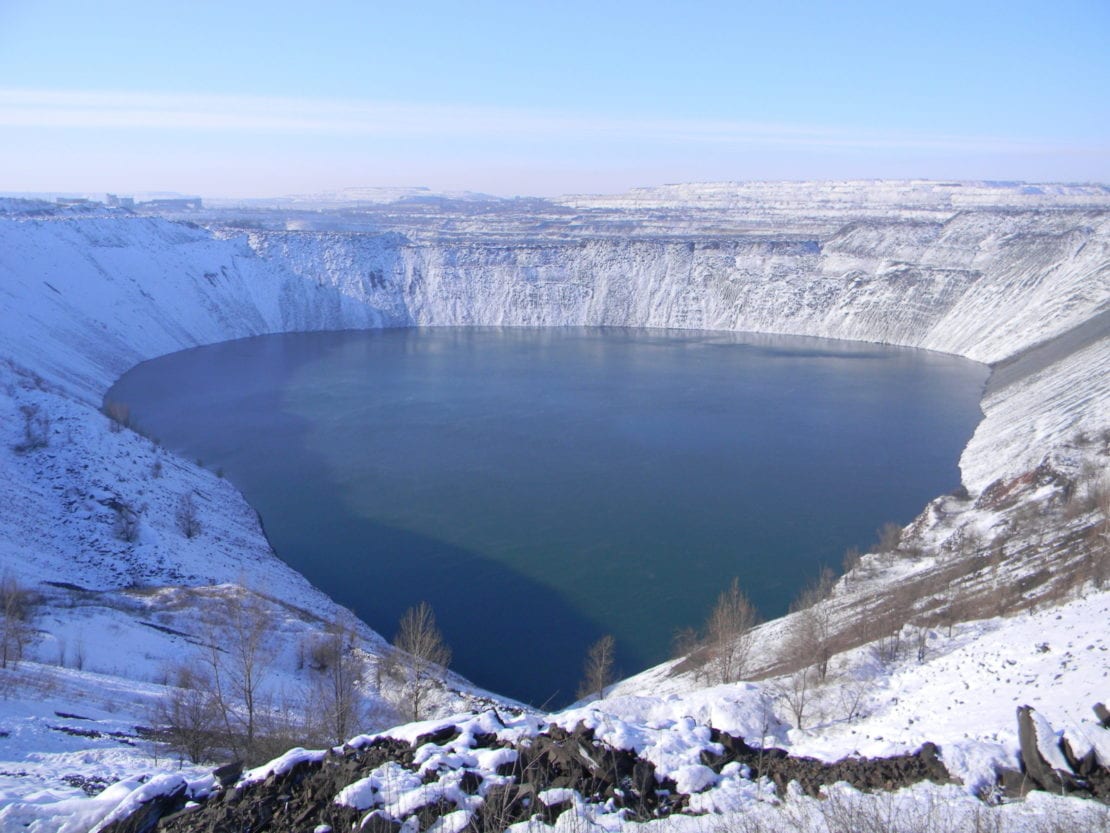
pixel 542 487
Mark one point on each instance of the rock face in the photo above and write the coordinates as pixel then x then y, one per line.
pixel 987 284
pixel 1049 761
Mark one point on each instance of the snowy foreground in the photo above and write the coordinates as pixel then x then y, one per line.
pixel 999 597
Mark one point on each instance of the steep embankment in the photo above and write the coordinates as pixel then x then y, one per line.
pixel 85 296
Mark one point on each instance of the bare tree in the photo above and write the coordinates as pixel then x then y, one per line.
pixel 920 639
pixel 119 416
pixel 126 524
pixel 1097 561
pixel 597 671
pixel 810 640
pixel 240 657
pixel 852 559
pixel 338 672
pixel 36 429
pixel 16 607
pixel 685 641
pixel 424 656
pixel 795 692
pixel 729 633
pixel 187 520
pixel 190 713
pixel 890 536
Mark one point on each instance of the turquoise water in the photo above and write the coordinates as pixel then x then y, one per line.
pixel 541 487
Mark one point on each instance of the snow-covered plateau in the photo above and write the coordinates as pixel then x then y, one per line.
pixel 993 598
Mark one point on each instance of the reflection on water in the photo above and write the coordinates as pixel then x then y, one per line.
pixel 541 487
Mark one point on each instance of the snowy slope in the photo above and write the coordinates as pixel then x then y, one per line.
pixel 1001 274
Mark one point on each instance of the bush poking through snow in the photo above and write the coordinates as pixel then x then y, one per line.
pixel 239 659
pixel 119 416
pixel 36 429
pixel 190 714
pixel 890 536
pixel 795 691
pixel 17 605
pixel 126 524
pixel 339 671
pixel 187 520
pixel 810 640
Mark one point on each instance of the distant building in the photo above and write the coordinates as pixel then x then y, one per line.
pixel 75 201
pixel 113 201
pixel 176 204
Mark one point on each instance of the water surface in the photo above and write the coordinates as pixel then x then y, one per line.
pixel 541 487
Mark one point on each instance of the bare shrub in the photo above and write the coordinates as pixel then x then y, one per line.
pixel 890 536
pixel 597 672
pixel 186 515
pixel 1096 563
pixel 853 694
pixel 729 635
pixel 920 635
pixel 424 657
pixel 795 692
pixel 119 416
pixel 810 640
pixel 887 648
pixel 189 713
pixel 240 657
pixel 884 625
pixel 844 811
pixel 126 524
pixel 36 429
pixel 852 559
pixel 684 642
pixel 957 607
pixel 339 670
pixel 17 605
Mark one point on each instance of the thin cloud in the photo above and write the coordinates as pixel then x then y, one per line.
pixel 63 109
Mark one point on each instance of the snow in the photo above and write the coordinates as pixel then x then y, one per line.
pixel 995 272
pixel 281 765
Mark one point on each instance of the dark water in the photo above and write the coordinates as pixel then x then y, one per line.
pixel 543 487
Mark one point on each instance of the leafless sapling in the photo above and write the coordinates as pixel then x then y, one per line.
pixel 597 672
pixel 423 657
pixel 729 634
pixel 16 607
pixel 186 515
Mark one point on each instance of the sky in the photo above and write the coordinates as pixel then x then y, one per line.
pixel 544 98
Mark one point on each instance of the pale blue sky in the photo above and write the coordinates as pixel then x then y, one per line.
pixel 268 98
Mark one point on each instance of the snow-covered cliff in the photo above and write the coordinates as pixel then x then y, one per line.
pixel 985 284
pixel 1007 275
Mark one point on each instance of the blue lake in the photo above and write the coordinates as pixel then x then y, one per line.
pixel 542 487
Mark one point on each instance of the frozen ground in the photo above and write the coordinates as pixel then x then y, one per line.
pixel 996 273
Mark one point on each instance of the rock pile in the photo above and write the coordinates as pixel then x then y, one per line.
pixel 1053 762
pixel 479 780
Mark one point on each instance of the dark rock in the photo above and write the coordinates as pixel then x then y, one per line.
pixel 1014 784
pixel 144 819
pixel 470 782
pixel 1033 764
pixel 485 740
pixel 438 737
pixel 1103 715
pixel 228 774
pixel 378 823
